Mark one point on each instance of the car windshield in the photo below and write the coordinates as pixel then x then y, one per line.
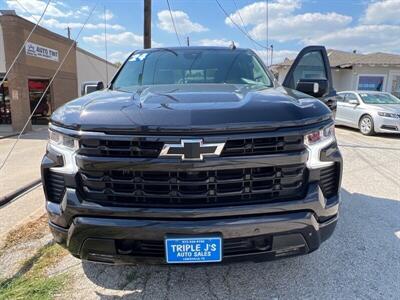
pixel 372 98
pixel 191 66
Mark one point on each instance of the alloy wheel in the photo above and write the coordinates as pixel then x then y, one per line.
pixel 366 125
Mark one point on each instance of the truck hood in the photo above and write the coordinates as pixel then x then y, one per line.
pixel 189 108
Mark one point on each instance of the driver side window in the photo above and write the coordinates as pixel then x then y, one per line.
pixel 351 96
pixel 311 66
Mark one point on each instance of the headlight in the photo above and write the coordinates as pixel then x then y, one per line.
pixel 61 140
pixel 320 135
pixel 388 115
pixel 66 146
pixel 315 142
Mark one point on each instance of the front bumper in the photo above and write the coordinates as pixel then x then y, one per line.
pixel 95 233
pixel 386 125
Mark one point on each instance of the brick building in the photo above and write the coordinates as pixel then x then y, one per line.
pixel 35 67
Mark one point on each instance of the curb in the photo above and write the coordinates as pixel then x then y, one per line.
pixel 9 197
pixel 9 136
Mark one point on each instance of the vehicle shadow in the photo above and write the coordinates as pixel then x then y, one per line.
pixel 360 260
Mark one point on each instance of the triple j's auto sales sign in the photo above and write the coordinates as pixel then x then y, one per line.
pixel 40 51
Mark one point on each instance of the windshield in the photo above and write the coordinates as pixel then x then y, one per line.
pixel 372 98
pixel 190 66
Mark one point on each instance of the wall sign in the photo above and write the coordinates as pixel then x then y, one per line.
pixel 41 51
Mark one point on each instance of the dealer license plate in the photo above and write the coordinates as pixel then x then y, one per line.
pixel 193 249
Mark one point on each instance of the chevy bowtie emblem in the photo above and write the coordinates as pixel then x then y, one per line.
pixel 192 150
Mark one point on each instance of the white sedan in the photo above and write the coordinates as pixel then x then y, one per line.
pixel 369 111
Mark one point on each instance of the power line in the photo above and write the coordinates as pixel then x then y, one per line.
pixel 24 44
pixel 47 88
pixel 239 28
pixel 240 16
pixel 173 23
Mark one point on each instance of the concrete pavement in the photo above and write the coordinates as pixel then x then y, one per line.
pixel 23 165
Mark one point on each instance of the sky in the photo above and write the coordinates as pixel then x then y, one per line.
pixel 362 25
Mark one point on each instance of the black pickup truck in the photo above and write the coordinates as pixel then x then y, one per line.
pixel 196 155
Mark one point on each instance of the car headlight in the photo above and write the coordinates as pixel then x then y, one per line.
pixel 67 147
pixel 62 140
pixel 388 115
pixel 315 142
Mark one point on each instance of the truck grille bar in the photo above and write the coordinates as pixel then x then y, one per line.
pixel 128 147
pixel 194 189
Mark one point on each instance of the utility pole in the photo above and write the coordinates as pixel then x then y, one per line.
pixel 69 32
pixel 147 24
pixel 105 42
pixel 187 41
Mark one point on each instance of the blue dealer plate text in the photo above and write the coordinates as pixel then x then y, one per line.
pixel 193 250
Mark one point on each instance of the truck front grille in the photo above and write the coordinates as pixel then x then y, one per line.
pixel 120 148
pixel 263 146
pixel 194 189
pixel 151 149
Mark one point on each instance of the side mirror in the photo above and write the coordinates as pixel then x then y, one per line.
pixel 313 87
pixel 91 86
pixel 354 102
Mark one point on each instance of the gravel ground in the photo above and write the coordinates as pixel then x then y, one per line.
pixel 361 259
pixel 26 208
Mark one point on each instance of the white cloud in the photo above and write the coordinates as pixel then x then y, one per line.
pixel 255 13
pixel 38 6
pixel 383 12
pixel 278 56
pixel 284 23
pixel 215 42
pixel 126 38
pixel 182 22
pixel 107 16
pixel 301 27
pixel 118 56
pixel 85 8
pixel 364 38
pixel 57 24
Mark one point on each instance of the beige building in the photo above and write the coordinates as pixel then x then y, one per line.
pixel 353 71
pixel 31 74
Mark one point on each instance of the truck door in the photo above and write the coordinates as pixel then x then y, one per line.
pixel 310 73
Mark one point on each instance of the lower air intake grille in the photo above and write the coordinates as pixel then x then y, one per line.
pixel 329 180
pixel 55 186
pixel 235 246
pixel 194 188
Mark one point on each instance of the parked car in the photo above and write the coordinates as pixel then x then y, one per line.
pixel 196 155
pixel 369 111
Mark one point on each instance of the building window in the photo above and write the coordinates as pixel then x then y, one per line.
pixel 370 82
pixel 36 89
pixel 5 109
